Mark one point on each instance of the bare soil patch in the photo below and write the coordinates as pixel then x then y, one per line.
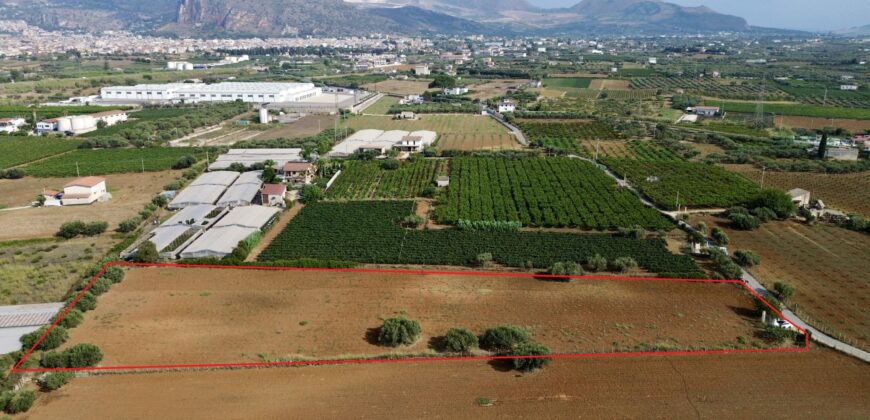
pixel 478 142
pixel 306 126
pixel 726 386
pixel 400 87
pixel 495 88
pixel 816 123
pixel 172 315
pixel 130 193
pixel 611 84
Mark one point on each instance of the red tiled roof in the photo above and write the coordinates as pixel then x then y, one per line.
pixel 274 189
pixel 297 166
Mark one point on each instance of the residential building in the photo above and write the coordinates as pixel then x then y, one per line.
pixel 84 191
pixel 506 105
pixel 704 111
pixel 11 125
pixel 456 91
pixel 297 173
pixel 272 195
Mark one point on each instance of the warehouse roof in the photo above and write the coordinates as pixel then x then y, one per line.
pixel 217 242
pixel 249 216
pixel 165 235
pixel 250 157
pixel 197 195
pixel 224 178
pixel 195 213
pixel 28 315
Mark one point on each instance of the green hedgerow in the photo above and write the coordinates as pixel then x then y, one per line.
pixel 55 380
pixel 57 336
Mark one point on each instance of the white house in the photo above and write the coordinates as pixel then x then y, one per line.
pixel 704 111
pixel 110 117
pixel 653 60
pixel 848 87
pixel 422 70
pixel 11 125
pixel 84 191
pixel 506 105
pixel 456 91
pixel 800 197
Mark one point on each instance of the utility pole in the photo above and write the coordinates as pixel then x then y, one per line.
pixel 143 166
pixel 77 170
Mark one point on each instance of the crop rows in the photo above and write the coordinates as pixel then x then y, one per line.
pixel 369 232
pixel 541 192
pixel 631 95
pixel 801 110
pixel 695 185
pixel 16 151
pixel 367 180
pixel 111 161
pixel 707 87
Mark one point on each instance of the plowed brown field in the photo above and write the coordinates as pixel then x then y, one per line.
pixel 815 384
pixel 178 316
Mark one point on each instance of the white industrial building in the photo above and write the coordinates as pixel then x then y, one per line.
pixel 254 92
pixel 381 141
pixel 249 157
pixel 204 190
pixel 244 190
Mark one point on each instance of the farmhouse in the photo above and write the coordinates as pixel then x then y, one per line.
pixel 272 195
pixel 297 172
pixel 406 115
pixel 80 124
pixel 506 105
pixel 704 111
pixel 11 125
pixel 84 191
pixel 18 320
pixel 416 141
pixel 800 197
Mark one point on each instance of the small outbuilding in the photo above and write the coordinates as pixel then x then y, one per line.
pixel 443 181
pixel 800 197
pixel 272 195
pixel 84 191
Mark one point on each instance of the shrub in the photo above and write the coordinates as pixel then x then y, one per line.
pixel 460 340
pixel 428 191
pixel 623 264
pixel 764 214
pixel 773 301
pixel 72 319
pixel 71 229
pixel 412 221
pixel 5 397
pixel 114 274
pixel 784 290
pixel 21 402
pixel 100 286
pixel 597 263
pixel 311 194
pixel 85 303
pixel 129 225
pixel 530 349
pixel 95 228
pixel 160 200
pixel 565 269
pixel 390 164
pixel 483 259
pixel 504 338
pixel 746 258
pixel 720 237
pixel 55 380
pixel 635 232
pixel 777 201
pixel 57 336
pixel 53 360
pixel 184 162
pixel 83 355
pixel 399 331
pixel 777 335
pixel 147 252
pixel 744 222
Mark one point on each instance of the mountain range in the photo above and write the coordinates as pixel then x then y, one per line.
pixel 361 17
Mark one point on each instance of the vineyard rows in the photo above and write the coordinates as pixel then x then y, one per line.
pixel 801 110
pixel 706 87
pixel 111 161
pixel 369 232
pixel 541 192
pixel 367 180
pixel 630 95
pixel 16 151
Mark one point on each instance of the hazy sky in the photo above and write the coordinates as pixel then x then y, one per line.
pixel 793 14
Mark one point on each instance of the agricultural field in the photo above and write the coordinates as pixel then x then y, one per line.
pixel 849 192
pixel 566 136
pixel 694 185
pixel 441 124
pixel 715 88
pixel 629 95
pixel 717 386
pixel 857 126
pixel 399 87
pixel 828 266
pixel 612 84
pixel 309 125
pixel 628 149
pixel 130 193
pixel 471 142
pixel 494 88
pixel 567 82
pixel 801 110
pixel 367 180
pixel 546 192
pixel 15 151
pixel 371 233
pixel 318 315
pixel 382 106
pixel 111 161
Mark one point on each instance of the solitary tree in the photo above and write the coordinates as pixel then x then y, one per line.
pixel 504 338
pixel 784 290
pixel 399 331
pixel 533 363
pixel 746 258
pixel 720 237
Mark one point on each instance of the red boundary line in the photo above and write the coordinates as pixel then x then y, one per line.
pixel 17 366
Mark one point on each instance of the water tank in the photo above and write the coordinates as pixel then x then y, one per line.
pixel 264 116
pixel 188 66
pixel 64 124
pixel 83 122
pixel 172 65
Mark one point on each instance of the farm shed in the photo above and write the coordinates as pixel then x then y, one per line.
pixel 217 242
pixel 197 195
pixel 84 191
pixel 193 216
pixel 250 157
pixel 243 191
pixel 18 320
pixel 800 197
pixel 252 217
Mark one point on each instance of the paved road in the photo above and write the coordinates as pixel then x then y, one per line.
pixel 516 131
pixel 751 281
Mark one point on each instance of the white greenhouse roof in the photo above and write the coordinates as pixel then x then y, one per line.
pixel 250 157
pixel 239 195
pixel 197 195
pixel 249 217
pixel 377 139
pixel 224 178
pixel 250 177
pixel 164 235
pixel 217 242
pixel 195 213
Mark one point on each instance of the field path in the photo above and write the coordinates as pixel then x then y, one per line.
pixel 274 231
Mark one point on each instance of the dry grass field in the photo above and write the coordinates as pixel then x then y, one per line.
pixel 130 193
pixel 846 192
pixel 829 267
pixel 817 123
pixel 494 88
pixel 478 142
pixel 382 106
pixel 308 125
pixel 400 87
pixel 229 316
pixel 815 384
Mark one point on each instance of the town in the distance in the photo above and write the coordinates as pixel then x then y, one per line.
pixel 432 209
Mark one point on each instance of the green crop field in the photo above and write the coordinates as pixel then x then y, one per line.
pixel 16 151
pixel 367 180
pixel 382 106
pixel 800 110
pixel 541 192
pixel 369 232
pixel 567 82
pixel 565 135
pixel 111 161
